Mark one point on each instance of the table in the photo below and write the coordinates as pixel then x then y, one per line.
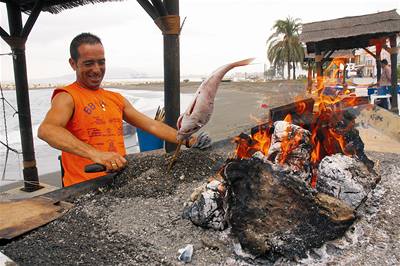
pixel 373 97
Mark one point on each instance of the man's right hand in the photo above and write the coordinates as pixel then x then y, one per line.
pixel 113 161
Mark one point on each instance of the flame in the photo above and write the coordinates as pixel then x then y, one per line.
pixel 327 128
pixel 289 143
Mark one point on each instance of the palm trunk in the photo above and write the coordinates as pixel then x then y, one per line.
pixel 294 70
pixel 288 69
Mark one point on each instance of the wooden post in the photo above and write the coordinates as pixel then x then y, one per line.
pixel 344 71
pixel 378 47
pixel 166 16
pixel 17 40
pixel 171 74
pixel 318 63
pixel 393 61
pixel 309 77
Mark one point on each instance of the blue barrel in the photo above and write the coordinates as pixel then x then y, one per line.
pixel 147 141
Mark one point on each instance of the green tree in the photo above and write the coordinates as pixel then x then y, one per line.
pixel 284 45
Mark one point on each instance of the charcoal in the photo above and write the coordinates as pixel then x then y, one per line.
pixel 354 143
pixel 345 178
pixel 298 155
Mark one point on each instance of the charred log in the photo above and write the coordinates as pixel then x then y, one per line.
pixel 273 213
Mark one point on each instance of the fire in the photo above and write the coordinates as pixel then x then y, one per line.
pixel 247 146
pixel 328 131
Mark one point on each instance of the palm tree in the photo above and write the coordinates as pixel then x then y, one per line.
pixel 284 44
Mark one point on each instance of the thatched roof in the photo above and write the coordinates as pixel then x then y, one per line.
pixel 350 32
pixel 53 6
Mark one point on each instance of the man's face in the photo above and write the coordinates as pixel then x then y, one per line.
pixel 90 66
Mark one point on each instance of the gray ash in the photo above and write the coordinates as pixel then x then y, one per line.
pixel 135 221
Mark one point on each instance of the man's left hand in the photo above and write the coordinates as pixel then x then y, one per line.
pixel 202 141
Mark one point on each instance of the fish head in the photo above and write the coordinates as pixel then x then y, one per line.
pixel 187 125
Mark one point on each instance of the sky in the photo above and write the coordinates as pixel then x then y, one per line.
pixel 216 32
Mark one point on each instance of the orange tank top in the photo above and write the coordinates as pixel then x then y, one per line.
pixel 97 120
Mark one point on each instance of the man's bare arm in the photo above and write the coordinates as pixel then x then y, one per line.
pixel 157 128
pixel 53 131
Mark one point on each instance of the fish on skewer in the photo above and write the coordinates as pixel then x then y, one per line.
pixel 200 109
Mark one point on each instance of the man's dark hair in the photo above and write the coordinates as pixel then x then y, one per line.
pixel 385 62
pixel 83 38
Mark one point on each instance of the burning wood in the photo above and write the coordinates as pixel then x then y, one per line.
pixel 290 187
pixel 290 144
pixel 273 213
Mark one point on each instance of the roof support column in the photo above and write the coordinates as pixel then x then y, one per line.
pixel 16 39
pixel 171 74
pixel 309 77
pixel 378 48
pixel 318 65
pixel 166 16
pixel 393 61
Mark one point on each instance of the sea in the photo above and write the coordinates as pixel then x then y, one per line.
pixel 47 157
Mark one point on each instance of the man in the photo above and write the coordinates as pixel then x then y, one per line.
pixel 85 121
pixel 386 75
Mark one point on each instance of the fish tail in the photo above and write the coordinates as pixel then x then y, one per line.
pixel 220 72
pixel 242 62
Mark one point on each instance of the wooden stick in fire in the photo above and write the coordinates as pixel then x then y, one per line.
pixel 200 109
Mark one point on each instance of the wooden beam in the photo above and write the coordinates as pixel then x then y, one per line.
pixel 171 74
pixel 327 56
pixel 32 19
pixel 393 61
pixel 309 77
pixel 378 48
pixel 149 8
pixel 346 43
pixel 3 34
pixel 369 52
pixel 172 6
pixel 159 6
pixel 31 178
pixel 344 71
pixel 319 68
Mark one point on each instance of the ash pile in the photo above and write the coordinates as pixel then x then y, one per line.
pixel 292 185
